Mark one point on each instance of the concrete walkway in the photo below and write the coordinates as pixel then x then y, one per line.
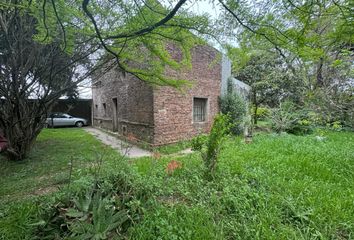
pixel 123 148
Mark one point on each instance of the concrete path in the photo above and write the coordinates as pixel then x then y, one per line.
pixel 123 148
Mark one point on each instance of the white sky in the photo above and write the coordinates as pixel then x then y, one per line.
pixel 203 6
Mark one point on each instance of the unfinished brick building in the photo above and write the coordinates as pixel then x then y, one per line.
pixel 162 115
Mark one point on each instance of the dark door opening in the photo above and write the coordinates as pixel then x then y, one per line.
pixel 115 114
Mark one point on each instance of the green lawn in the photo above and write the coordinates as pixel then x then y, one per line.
pixel 48 166
pixel 278 187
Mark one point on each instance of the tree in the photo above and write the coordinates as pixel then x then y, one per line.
pixel 313 38
pixel 134 33
pixel 235 106
pixel 47 48
pixel 269 79
pixel 33 76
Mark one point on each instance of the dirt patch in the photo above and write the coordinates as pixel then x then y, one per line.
pixel 173 199
pixel 45 190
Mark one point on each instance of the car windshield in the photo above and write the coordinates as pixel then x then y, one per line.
pixel 66 115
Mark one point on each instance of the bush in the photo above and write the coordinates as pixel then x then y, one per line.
pixel 332 106
pixel 235 106
pixel 210 146
pixel 335 126
pixel 284 118
pixel 102 208
pixel 199 141
pixel 262 113
pixel 288 118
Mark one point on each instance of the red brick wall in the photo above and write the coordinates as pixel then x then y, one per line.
pixel 160 115
pixel 134 108
pixel 173 110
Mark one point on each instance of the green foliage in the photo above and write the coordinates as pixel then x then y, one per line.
pixel 199 141
pixel 278 187
pixel 16 220
pixel 173 148
pixel 177 222
pixel 99 209
pixel 269 80
pixel 305 161
pixel 251 194
pixel 334 104
pixel 47 168
pixel 234 105
pixel 145 55
pixel 298 51
pixel 104 218
pixel 336 126
pixel 218 133
pixel 90 206
pixel 211 146
pixel 289 118
pixel 262 113
pixel 285 117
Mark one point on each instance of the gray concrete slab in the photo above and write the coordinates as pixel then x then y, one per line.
pixel 122 147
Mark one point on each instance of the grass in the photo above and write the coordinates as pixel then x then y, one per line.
pixel 48 165
pixel 263 126
pixel 278 187
pixel 173 148
pixel 310 182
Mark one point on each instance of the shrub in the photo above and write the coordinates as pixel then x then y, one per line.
pixel 105 209
pixel 262 113
pixel 198 142
pixel 333 106
pixel 335 126
pixel 235 106
pixel 288 118
pixel 284 118
pixel 210 146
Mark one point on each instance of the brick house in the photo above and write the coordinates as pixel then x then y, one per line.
pixel 162 115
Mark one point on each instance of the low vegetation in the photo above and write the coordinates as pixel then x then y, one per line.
pixel 279 187
pixel 48 166
pixel 173 148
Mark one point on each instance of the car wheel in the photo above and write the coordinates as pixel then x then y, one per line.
pixel 79 124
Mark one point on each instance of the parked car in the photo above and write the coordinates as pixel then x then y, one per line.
pixel 63 119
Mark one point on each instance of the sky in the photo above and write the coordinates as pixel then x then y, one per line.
pixel 203 6
pixel 198 7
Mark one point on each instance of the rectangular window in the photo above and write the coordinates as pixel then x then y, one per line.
pixel 199 109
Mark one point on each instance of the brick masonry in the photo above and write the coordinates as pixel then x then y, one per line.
pixel 133 113
pixel 159 115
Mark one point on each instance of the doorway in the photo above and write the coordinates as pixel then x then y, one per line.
pixel 115 114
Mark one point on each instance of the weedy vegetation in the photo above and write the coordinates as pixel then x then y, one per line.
pixel 281 186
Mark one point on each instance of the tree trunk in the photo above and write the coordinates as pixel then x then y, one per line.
pixel 20 143
pixel 32 77
pixel 22 122
pixel 255 103
pixel 319 76
pixel 255 119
